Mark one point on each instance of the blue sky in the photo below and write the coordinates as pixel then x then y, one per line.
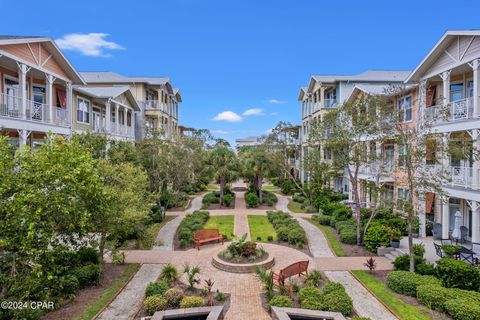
pixel 241 55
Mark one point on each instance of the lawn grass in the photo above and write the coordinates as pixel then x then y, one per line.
pixel 295 207
pixel 108 293
pixel 148 241
pixel 333 243
pixel 404 310
pixel 223 223
pixel 260 228
pixel 271 188
pixel 211 187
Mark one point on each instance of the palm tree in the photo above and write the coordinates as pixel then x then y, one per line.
pixel 257 165
pixel 225 164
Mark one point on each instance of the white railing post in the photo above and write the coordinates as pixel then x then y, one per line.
pixel 108 115
pixel 475 65
pixel 117 119
pixel 69 97
pixel 22 83
pixel 49 96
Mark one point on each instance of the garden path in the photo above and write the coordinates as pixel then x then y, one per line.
pixel 166 234
pixel 129 301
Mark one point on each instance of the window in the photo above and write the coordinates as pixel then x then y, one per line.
pixel 83 110
pixel 401 155
pixel 456 91
pixel 405 108
pixel 403 197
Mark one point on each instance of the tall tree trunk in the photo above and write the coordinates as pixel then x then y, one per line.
pixel 222 189
pixel 259 185
pixel 356 204
pixel 101 245
pixel 410 244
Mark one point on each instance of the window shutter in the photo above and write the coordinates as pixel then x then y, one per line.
pixel 431 93
pixel 429 202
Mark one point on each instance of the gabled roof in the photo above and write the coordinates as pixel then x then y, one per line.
pixel 109 92
pixel 438 49
pixel 113 77
pixel 367 76
pixel 302 93
pixel 176 93
pixel 51 47
pixel 379 90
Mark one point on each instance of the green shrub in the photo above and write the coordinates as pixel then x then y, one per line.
pixel 377 235
pixel 310 209
pixel 310 293
pixel 228 199
pixel 329 207
pixel 338 301
pixel 398 223
pixel 296 236
pixel 463 309
pixel 156 288
pixel 458 274
pixel 173 297
pixel 406 283
pixel 251 199
pixel 433 296
pixel 282 233
pixel 281 301
pixel 88 255
pixel 156 214
pixel 346 224
pixel 192 302
pixel 299 198
pixel 342 213
pixel 348 236
pixel 69 284
pixel 191 223
pixel 333 286
pixel 312 304
pixel 169 273
pixel 314 278
pixel 154 303
pixel 87 275
pixel 322 219
pixel 421 265
pixel 419 249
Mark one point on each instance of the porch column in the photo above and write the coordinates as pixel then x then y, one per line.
pixel 476 163
pixel 125 121
pixel 446 86
pixel 445 217
pixel 422 103
pixel 322 96
pixel 108 116
pixel 22 83
pixel 132 118
pixel 445 157
pixel 476 223
pixel 476 108
pixel 117 119
pixel 49 79
pixel 69 101
pixel 22 137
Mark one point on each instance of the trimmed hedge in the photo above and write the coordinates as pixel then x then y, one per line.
pixel 155 303
pixel 173 297
pixel 192 302
pixel 156 288
pixel 333 298
pixel 378 235
pixel 309 293
pixel 421 265
pixel 287 228
pixel 463 309
pixel 322 219
pixel 406 283
pixel 458 274
pixel 338 301
pixel 191 223
pixel 436 297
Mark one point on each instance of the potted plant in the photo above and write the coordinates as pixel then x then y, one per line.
pixel 395 237
pixel 416 227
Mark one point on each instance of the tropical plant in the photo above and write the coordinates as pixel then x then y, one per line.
pixel 225 164
pixel 266 277
pixel 192 274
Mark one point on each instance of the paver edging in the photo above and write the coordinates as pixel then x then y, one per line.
pixel 115 296
pixel 242 268
pixel 373 294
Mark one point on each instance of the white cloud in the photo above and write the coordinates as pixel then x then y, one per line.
pixel 89 44
pixel 276 101
pixel 222 132
pixel 228 116
pixel 273 113
pixel 254 112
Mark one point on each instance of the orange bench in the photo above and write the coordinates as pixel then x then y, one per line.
pixel 206 235
pixel 297 268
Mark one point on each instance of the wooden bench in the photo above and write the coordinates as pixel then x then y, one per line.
pixel 298 268
pixel 206 235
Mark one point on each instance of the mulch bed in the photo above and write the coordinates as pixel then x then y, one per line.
pixel 84 297
pixel 217 206
pixel 262 207
pixel 382 276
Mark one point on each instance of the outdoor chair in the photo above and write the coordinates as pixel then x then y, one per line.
pixel 463 234
pixel 447 242
pixel 476 250
pixel 467 257
pixel 438 250
pixel 437 231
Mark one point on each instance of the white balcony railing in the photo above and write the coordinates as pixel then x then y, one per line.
pixel 11 107
pixel 330 103
pixel 463 177
pixel 455 111
pixel 156 105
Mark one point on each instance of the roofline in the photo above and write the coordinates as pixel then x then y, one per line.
pixel 445 35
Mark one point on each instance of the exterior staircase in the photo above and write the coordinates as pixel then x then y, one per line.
pixel 392 253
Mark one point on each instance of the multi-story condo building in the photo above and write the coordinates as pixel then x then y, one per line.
pixel 248 141
pixel 41 92
pixel 448 78
pixel 36 89
pixel 325 92
pixel 157 100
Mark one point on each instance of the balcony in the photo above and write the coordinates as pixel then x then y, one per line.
pixel 119 131
pixel 461 177
pixel 155 105
pixel 455 111
pixel 11 107
pixel 330 103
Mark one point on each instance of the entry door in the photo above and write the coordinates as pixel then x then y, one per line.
pixel 11 90
pixel 97 121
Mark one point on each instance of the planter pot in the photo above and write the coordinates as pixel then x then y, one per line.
pixel 395 243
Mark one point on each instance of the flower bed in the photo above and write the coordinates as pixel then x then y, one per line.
pixel 253 201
